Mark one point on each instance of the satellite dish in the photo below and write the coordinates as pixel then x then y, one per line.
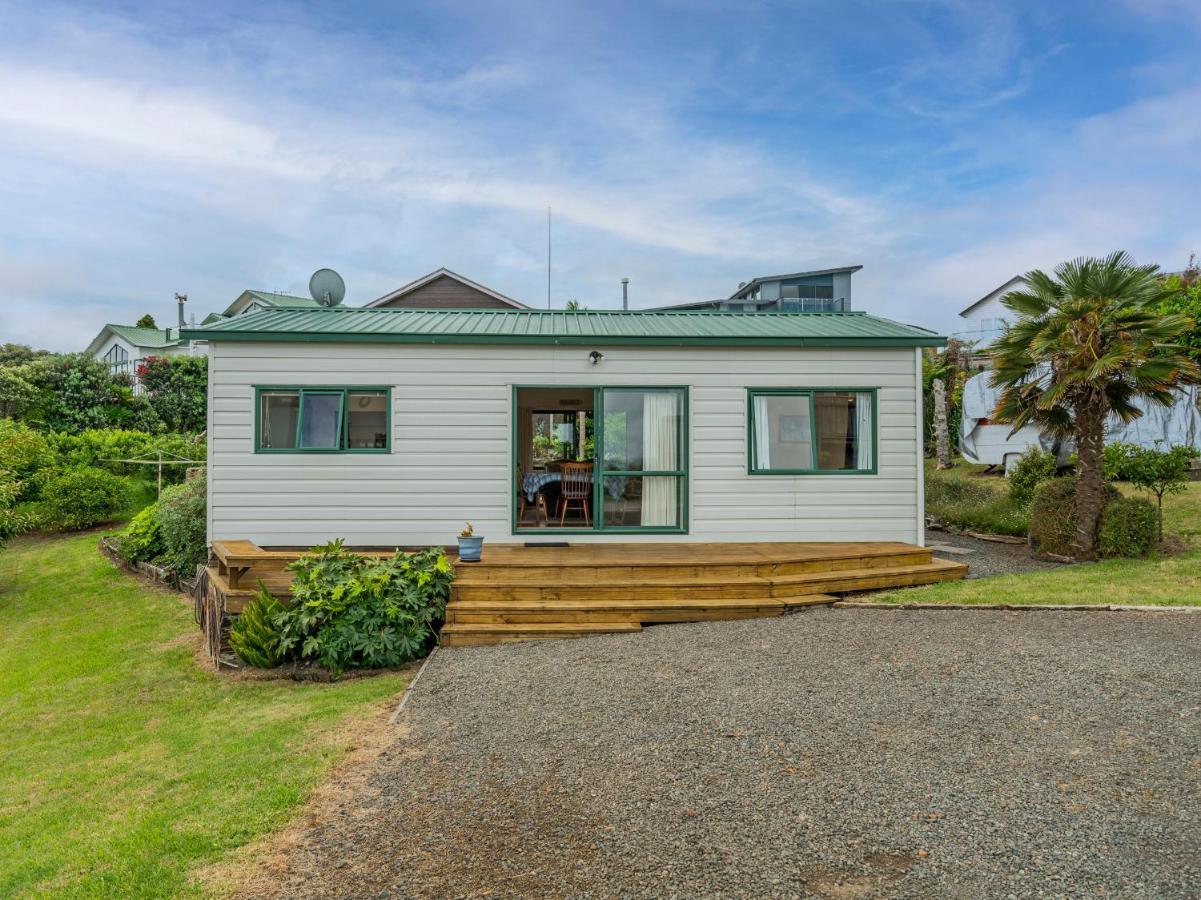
pixel 327 287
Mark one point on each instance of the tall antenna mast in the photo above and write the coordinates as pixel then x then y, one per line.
pixel 548 257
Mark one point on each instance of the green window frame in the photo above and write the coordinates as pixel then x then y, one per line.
pixel 810 393
pixel 599 472
pixel 343 392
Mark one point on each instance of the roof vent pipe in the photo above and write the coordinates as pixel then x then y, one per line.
pixel 181 299
pixel 625 293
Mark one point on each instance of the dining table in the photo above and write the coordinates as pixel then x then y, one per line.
pixel 533 482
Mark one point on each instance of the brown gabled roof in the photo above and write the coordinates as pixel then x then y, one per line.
pixel 439 273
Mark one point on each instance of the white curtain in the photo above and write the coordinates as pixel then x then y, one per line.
pixel 863 431
pixel 762 434
pixel 660 452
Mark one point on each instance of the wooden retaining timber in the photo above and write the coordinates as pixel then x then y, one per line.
pixel 522 593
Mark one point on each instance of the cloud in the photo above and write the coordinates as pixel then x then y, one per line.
pixel 147 152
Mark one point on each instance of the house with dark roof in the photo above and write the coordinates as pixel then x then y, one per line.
pixel 444 289
pixel 817 290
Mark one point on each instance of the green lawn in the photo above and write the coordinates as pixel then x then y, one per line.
pixel 1161 580
pixel 123 764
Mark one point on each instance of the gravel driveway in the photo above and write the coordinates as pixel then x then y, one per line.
pixel 835 753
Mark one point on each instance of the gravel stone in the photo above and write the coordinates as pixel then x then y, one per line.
pixel 985 558
pixel 830 753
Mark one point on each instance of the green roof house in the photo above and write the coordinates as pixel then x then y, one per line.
pixel 392 427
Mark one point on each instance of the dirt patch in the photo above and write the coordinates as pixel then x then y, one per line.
pixel 256 869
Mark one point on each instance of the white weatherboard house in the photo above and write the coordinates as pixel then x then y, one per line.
pixel 392 427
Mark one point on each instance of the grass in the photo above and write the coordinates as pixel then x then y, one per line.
pixel 964 497
pixel 1160 580
pixel 123 764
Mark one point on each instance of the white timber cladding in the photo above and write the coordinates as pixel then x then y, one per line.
pixel 452 442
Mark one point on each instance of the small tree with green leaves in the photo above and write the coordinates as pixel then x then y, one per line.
pixel 1159 472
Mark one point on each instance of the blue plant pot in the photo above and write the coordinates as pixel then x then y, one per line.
pixel 470 549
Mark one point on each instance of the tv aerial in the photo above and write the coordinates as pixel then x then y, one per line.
pixel 327 287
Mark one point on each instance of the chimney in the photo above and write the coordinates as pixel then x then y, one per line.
pixel 625 293
pixel 181 299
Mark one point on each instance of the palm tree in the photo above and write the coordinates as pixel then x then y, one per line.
pixel 1088 343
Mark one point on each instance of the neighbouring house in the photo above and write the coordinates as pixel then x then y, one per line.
pixel 253 301
pixel 393 427
pixel 124 347
pixel 819 290
pixel 444 289
pixel 985 319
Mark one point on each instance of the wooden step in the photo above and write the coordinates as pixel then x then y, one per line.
pixel 476 634
pixel 698 590
pixel 537 569
pixel 679 610
pixel 869 579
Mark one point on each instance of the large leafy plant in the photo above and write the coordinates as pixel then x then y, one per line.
pixel 254 636
pixel 349 611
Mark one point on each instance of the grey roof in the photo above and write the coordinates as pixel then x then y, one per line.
pixel 755 282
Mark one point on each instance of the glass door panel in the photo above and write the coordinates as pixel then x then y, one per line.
pixel 643 443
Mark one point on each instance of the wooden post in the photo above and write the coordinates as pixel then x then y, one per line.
pixel 941 438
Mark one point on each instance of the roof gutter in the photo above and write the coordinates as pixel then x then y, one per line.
pixel 571 340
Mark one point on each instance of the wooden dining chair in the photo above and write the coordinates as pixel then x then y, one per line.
pixel 576 487
pixel 539 501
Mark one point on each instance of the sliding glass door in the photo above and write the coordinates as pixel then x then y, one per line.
pixel 638 454
pixel 642 458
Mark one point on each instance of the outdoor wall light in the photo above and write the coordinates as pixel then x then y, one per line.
pixel 595 356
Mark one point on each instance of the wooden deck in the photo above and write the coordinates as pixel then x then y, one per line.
pixel 521 593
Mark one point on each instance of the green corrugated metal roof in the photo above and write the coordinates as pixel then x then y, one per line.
pixel 285 301
pixel 517 326
pixel 144 337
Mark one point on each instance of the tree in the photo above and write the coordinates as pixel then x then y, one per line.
pixel 147 321
pixel 575 306
pixel 1182 296
pixel 1159 471
pixel 177 388
pixel 19 354
pixel 18 394
pixel 1088 342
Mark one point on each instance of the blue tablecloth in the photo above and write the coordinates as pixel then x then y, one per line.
pixel 533 482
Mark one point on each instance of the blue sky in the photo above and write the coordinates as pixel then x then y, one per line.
pixel 945 146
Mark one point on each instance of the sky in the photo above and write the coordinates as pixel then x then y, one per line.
pixel 154 148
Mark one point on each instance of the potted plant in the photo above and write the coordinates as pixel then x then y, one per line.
pixel 470 546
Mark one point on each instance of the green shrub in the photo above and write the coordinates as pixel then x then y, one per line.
pixel 142 539
pixel 1115 460
pixel 100 446
pixel 254 636
pixel 1129 527
pixel 12 521
pixel 348 611
pixel 81 497
pixel 1033 468
pixel 180 514
pixel 23 454
pixel 1053 515
pixel 972 504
